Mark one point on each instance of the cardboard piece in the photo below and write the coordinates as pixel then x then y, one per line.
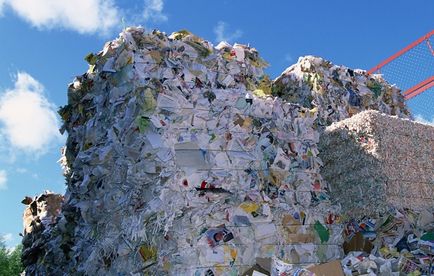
pixel 254 270
pixel 262 267
pixel 358 243
pixel 256 273
pixel 265 263
pixel 328 269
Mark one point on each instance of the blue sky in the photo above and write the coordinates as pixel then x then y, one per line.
pixel 43 43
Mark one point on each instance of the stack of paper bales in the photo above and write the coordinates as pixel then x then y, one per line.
pixel 185 159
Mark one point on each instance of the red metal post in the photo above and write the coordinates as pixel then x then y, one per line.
pixel 401 52
pixel 419 88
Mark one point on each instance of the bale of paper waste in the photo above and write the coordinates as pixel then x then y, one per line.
pixel 380 170
pixel 374 161
pixel 178 161
pixel 181 160
pixel 41 211
pixel 41 214
pixel 338 92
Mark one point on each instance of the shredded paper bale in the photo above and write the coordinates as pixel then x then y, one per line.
pixel 373 161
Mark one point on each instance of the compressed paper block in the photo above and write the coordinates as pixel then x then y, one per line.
pixel 40 215
pixel 338 92
pixel 177 162
pixel 186 159
pixel 373 161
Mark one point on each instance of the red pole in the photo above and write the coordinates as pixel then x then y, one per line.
pixel 419 88
pixel 400 53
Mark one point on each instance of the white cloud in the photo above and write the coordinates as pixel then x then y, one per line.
pixel 2 2
pixel 29 120
pixel 7 237
pixel 154 11
pixel 221 32
pixel 83 16
pixel 3 180
pixel 419 118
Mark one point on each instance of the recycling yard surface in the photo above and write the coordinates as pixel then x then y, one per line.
pixel 185 158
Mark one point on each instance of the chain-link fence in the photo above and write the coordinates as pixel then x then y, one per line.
pixel 412 70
